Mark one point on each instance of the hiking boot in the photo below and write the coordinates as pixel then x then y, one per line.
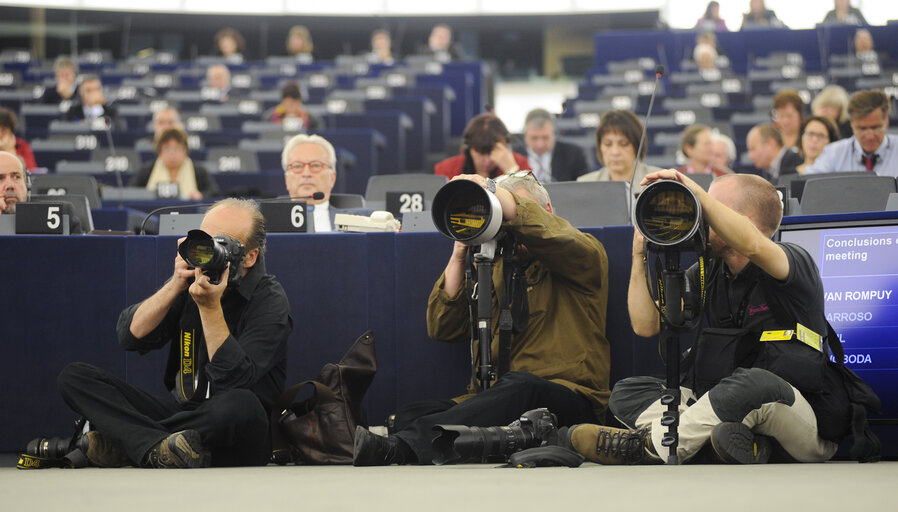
pixel 101 451
pixel 609 445
pixel 370 449
pixel 735 443
pixel 182 449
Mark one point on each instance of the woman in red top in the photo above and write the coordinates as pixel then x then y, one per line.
pixel 486 150
pixel 12 144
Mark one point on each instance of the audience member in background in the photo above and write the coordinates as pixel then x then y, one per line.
pixel 13 189
pixel 723 151
pixel 705 56
pixel 165 119
pixel 696 146
pixel 759 16
pixel 299 41
pixel 310 166
pixel 788 109
pixel 218 79
pixel 440 44
pixel 816 133
pixel 832 102
pixel 870 148
pixel 92 103
pixel 230 44
pixel 66 72
pixel 766 151
pixel 550 158
pixel 381 47
pixel 12 144
pixel 617 138
pixel 486 150
pixel 844 14
pixel 863 45
pixel 291 106
pixel 174 168
pixel 711 21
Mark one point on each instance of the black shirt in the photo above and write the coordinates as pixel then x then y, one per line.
pixel 254 355
pixel 798 299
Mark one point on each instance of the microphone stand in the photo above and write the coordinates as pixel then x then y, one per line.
pixel 107 127
pixel 659 72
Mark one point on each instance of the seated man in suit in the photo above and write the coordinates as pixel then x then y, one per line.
pixel 870 148
pixel 550 158
pixel 92 104
pixel 766 151
pixel 12 182
pixel 218 83
pixel 310 166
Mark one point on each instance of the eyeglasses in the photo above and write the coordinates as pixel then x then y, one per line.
pixel 315 166
pixel 516 174
pixel 815 135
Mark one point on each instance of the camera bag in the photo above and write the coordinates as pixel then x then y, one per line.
pixel 321 429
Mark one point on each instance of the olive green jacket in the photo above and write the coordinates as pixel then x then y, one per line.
pixel 567 287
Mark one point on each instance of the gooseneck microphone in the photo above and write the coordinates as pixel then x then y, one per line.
pixel 659 72
pixel 317 196
pixel 107 127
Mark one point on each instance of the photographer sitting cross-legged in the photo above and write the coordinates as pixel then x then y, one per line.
pixel 226 365
pixel 560 360
pixel 737 403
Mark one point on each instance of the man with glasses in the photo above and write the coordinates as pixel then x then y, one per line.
pixel 871 148
pixel 310 166
pixel 559 355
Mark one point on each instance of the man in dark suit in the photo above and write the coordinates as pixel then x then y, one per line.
pixel 92 105
pixel 551 159
pixel 310 166
pixel 766 151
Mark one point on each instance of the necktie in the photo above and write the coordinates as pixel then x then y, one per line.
pixel 868 162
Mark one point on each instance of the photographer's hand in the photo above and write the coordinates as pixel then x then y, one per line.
pixel 153 310
pixel 454 275
pixel 643 315
pixel 208 299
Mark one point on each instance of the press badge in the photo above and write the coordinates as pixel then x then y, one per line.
pixel 800 333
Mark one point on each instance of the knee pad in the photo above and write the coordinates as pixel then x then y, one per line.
pixel 748 389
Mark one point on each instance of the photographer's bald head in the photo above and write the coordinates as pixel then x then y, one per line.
pixel 13 189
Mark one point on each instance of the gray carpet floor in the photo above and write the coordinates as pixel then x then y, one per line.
pixel 837 486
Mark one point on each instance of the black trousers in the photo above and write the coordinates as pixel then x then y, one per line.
pixel 512 395
pixel 233 424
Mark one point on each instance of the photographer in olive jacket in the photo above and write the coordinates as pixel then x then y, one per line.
pixel 559 361
pixel 226 365
pixel 754 285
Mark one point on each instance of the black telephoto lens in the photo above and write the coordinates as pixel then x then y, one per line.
pixel 48 447
pixel 454 444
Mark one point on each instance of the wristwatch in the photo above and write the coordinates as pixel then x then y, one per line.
pixel 491 185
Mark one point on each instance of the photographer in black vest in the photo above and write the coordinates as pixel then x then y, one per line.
pixel 227 341
pixel 741 400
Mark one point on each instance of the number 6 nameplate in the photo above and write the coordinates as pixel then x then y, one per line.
pixel 286 216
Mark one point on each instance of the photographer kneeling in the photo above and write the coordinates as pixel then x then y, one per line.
pixel 735 401
pixel 559 356
pixel 227 326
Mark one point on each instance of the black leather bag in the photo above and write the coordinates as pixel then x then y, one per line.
pixel 321 429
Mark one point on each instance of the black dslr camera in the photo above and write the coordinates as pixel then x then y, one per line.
pixel 213 254
pixel 454 444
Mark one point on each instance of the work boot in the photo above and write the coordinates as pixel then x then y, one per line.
pixel 182 449
pixel 101 451
pixel 370 449
pixel 735 443
pixel 609 445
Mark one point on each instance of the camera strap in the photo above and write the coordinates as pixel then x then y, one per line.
pixel 190 382
pixel 514 308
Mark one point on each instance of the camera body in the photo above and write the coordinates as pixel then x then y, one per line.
pixel 213 254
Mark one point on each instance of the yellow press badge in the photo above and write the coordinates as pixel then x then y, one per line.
pixel 777 335
pixel 809 337
pixel 800 333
